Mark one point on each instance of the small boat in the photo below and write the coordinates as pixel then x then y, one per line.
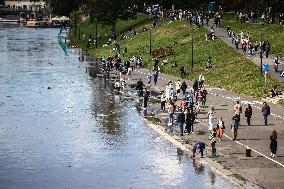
pixel 32 23
pixel 10 19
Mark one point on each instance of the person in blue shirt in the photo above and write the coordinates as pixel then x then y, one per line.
pixel 200 146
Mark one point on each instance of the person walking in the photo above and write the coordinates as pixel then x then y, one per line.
pixel 238 111
pixel 212 138
pixel 181 121
pixel 265 112
pixel 234 126
pixel 248 114
pixel 220 128
pixel 273 144
pixel 163 102
pixel 211 118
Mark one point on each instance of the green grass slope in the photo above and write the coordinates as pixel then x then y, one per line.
pixel 231 70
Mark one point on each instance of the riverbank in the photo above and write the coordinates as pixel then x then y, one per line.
pixel 230 161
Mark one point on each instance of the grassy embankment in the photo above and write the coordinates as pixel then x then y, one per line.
pixel 271 32
pixel 104 31
pixel 231 70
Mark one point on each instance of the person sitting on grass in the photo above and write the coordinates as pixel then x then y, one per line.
pixel 274 92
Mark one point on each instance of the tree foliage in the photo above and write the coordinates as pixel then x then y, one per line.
pixel 65 7
pixel 110 11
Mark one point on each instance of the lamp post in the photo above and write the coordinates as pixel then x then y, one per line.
pixel 150 37
pixel 150 41
pixel 192 53
pixel 96 31
pixel 261 51
pixel 75 23
pixel 79 31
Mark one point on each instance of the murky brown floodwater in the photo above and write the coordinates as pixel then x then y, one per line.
pixel 77 134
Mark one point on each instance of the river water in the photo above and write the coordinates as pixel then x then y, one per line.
pixel 61 128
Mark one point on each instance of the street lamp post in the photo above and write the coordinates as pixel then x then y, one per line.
pixel 150 41
pixel 75 24
pixel 97 31
pixel 192 53
pixel 261 51
pixel 79 31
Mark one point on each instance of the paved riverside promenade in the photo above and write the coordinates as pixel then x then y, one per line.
pixel 221 33
pixel 231 161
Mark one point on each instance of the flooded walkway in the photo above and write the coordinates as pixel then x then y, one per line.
pixel 61 128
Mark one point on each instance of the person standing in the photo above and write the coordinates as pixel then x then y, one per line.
pixel 195 87
pixel 181 121
pixel 273 143
pixel 182 71
pixel 248 114
pixel 234 126
pixel 265 112
pixel 189 120
pixel 238 111
pixel 201 80
pixel 183 87
pixel 178 86
pixel 163 102
pixel 156 75
pixel 212 138
pixel 211 118
pixel 146 98
pixel 220 128
pixel 168 92
pixel 171 112
pixel 149 77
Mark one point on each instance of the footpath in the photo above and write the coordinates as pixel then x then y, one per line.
pixel 231 161
pixel 222 34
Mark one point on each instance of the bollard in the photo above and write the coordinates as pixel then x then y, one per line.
pixel 248 152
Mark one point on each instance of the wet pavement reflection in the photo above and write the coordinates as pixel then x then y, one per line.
pixel 61 128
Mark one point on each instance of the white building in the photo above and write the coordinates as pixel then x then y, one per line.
pixel 31 5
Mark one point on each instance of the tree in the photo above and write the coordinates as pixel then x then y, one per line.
pixel 110 11
pixel 65 7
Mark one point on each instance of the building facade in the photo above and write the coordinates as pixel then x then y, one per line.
pixel 30 5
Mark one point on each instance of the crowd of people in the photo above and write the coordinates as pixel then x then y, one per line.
pixel 183 102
